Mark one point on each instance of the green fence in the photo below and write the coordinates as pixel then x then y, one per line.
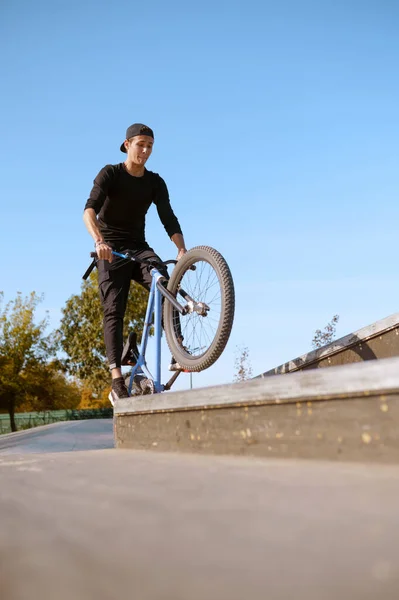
pixel 33 419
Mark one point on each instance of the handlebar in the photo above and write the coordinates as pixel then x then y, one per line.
pixel 129 256
pixel 133 258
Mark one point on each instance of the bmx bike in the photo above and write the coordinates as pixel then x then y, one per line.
pixel 198 314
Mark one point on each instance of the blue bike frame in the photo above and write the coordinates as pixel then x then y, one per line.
pixel 154 306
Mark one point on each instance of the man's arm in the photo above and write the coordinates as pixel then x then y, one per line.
pixel 178 240
pixel 90 220
pixel 93 206
pixel 168 218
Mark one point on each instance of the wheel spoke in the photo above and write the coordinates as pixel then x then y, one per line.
pixel 204 335
pixel 202 285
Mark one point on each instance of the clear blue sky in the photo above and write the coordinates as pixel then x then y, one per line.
pixel 277 133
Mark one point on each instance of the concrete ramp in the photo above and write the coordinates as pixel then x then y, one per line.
pixel 342 413
pixel 379 340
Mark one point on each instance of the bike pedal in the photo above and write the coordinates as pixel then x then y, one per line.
pixel 142 385
pixel 147 386
pixel 130 352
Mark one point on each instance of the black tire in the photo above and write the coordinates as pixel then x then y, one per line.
pixel 174 323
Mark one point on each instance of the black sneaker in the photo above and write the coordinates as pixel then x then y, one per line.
pixel 174 365
pixel 118 391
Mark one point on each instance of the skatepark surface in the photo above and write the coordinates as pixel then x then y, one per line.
pixel 66 436
pixel 80 519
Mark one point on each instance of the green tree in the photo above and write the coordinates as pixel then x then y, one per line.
pixel 242 364
pixel 24 349
pixel 321 338
pixel 81 332
pixel 47 388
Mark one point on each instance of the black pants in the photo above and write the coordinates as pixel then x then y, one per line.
pixel 114 284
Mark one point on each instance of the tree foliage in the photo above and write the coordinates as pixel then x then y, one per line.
pixel 24 353
pixel 47 388
pixel 322 338
pixel 242 364
pixel 81 332
pixel 91 400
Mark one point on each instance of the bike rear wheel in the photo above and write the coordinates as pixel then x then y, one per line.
pixel 197 340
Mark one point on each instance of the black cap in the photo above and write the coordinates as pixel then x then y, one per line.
pixel 136 129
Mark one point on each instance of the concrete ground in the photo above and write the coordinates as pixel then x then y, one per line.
pixel 113 524
pixel 66 436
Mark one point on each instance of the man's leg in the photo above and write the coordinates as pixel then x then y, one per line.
pixel 114 287
pixel 143 276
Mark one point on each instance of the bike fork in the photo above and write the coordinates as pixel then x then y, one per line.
pixel 158 334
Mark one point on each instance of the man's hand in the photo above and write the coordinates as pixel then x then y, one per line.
pixel 181 252
pixel 104 252
pixel 178 239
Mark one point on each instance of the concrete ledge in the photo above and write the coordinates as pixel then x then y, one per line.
pixel 345 413
pixel 376 341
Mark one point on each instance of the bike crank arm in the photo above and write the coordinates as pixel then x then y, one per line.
pixel 171 381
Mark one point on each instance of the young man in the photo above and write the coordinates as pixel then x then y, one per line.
pixel 115 218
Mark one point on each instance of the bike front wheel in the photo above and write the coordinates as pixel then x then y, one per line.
pixel 197 339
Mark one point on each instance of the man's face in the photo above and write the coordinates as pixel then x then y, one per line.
pixel 139 149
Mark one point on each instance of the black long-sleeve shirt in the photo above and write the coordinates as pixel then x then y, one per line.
pixel 121 202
